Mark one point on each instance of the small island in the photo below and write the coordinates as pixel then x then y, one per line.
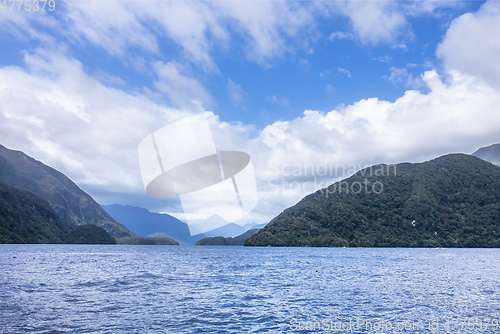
pixel 229 241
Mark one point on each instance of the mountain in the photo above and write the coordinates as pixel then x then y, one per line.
pixel 145 223
pixel 490 153
pixel 89 234
pixel 251 226
pixel 150 224
pixel 27 219
pixel 451 201
pixel 215 225
pixel 72 205
pixel 229 241
pixel 227 230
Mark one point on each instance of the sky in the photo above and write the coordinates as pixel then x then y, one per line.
pixel 312 91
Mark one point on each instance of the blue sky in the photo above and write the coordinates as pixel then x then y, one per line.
pixel 349 83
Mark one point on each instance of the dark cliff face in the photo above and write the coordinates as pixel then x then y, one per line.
pixel 72 205
pixel 451 201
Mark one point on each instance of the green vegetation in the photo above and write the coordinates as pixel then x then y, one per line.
pixel 229 241
pixel 27 219
pixel 72 205
pixel 451 201
pixel 89 234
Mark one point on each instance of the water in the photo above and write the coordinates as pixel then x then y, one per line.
pixel 177 289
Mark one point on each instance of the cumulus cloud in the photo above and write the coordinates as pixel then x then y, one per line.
pixel 458 115
pixel 58 114
pixel 471 44
pixel 55 111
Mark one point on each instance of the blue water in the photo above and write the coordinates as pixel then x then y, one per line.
pixel 201 289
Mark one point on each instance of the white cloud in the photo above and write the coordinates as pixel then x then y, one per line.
pixel 25 27
pixel 402 76
pixel 344 71
pixel 340 35
pixel 472 44
pixel 264 29
pixel 56 113
pixel 384 59
pixel 265 26
pixel 278 100
pixel 373 22
pixel 198 27
pixel 112 25
pixel 235 92
pixel 182 90
pixel 456 116
pixel 108 79
pixel 59 114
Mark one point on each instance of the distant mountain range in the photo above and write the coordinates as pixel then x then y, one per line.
pixel 150 224
pixel 451 201
pixel 41 205
pixel 490 153
pixel 72 205
pixel 26 180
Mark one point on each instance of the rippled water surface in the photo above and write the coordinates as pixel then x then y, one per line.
pixel 202 289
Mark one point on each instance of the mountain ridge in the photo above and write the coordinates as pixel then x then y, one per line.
pixel 152 224
pixel 450 201
pixel 489 153
pixel 73 205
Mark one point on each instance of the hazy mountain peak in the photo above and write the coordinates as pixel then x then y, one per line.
pixel 489 153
